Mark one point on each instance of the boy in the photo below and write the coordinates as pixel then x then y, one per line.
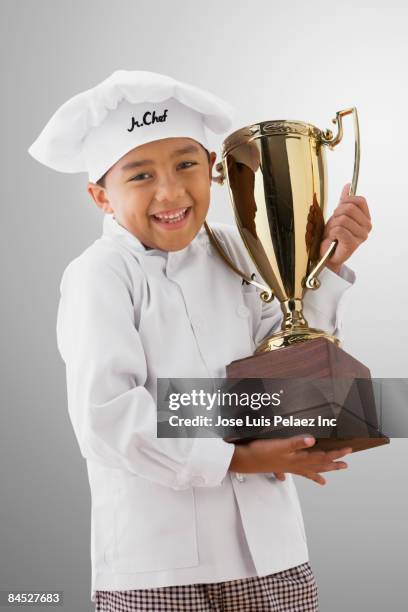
pixel 174 526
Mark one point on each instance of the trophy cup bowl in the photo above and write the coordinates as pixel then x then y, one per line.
pixel 277 180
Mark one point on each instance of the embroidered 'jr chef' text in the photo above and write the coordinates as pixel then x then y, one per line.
pixel 148 119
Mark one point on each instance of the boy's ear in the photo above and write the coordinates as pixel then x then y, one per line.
pixel 99 196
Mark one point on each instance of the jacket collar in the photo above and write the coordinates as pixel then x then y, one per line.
pixel 116 232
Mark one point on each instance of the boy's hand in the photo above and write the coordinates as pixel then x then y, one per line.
pixel 287 455
pixel 350 223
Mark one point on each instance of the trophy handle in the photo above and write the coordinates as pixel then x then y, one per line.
pixel 220 179
pixel 266 295
pixel 312 282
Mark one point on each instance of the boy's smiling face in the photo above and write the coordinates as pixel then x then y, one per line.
pixel 159 191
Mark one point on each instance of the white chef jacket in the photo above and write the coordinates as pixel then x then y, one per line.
pixel 167 511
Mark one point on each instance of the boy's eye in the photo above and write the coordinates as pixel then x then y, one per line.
pixel 185 164
pixel 188 162
pixel 139 177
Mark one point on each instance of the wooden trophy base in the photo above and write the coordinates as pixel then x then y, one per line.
pixel 319 359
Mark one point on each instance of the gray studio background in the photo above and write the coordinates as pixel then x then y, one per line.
pixel 273 60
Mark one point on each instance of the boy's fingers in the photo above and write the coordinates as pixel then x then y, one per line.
pixel 292 444
pixel 298 442
pixel 330 455
pixel 337 465
pixel 345 192
pixel 361 202
pixel 318 478
pixel 329 466
pixel 359 231
pixel 323 461
pixel 341 452
pixel 356 210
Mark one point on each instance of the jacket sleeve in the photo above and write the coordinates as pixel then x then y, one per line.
pixel 113 415
pixel 322 308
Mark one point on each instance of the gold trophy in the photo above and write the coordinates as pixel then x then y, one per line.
pixel 277 179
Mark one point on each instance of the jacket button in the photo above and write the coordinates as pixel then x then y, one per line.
pixel 242 311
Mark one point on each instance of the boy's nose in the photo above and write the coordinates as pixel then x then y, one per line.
pixel 169 189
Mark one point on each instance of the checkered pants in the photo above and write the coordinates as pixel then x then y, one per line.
pixel 293 590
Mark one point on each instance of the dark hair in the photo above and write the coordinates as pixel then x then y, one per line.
pixel 101 181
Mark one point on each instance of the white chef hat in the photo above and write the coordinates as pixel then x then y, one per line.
pixel 94 129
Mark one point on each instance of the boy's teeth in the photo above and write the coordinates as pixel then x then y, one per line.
pixel 172 218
